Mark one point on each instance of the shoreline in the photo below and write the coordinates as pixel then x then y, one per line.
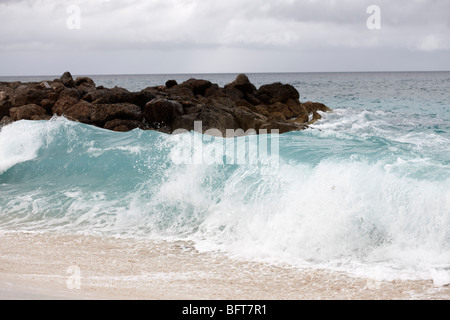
pixel 48 266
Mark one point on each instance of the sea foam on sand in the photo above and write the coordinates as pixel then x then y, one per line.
pixel 56 266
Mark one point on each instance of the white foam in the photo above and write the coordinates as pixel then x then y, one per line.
pixel 18 143
pixel 335 214
pixel 440 277
pixel 21 140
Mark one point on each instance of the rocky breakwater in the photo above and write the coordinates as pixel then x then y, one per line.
pixel 238 107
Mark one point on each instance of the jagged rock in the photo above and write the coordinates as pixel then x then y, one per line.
pixel 80 111
pixel 67 98
pixel 214 91
pixel 282 127
pixel 224 103
pixel 277 92
pixel 31 93
pixel 124 125
pixel 299 111
pixel 84 82
pixel 277 117
pixel 210 117
pixel 281 108
pixel 179 92
pixel 118 95
pixel 67 80
pixel 71 92
pixel 48 104
pixel 5 121
pixel 10 86
pixel 5 106
pixel 234 94
pixel 243 84
pixel 64 103
pixel 141 98
pixel 45 85
pixel 192 109
pixel 5 93
pixel 102 113
pixel 171 83
pixel 248 119
pixel 197 86
pixel 313 107
pixel 108 96
pixel 161 112
pixel 28 112
pixel 57 88
pixel 252 99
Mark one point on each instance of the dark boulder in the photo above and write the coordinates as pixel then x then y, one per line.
pixel 118 95
pixel 214 91
pixel 277 92
pixel 209 118
pixel 281 108
pixel 243 84
pixel 64 103
pixel 171 83
pixel 84 82
pixel 313 108
pixel 192 108
pixel 71 92
pixel 57 89
pixel 282 126
pixel 67 98
pixel 67 80
pixel 48 104
pixel 197 86
pixel 102 113
pixel 5 121
pixel 28 112
pixel 141 98
pixel 252 99
pixel 248 119
pixel 233 93
pixel 108 96
pixel 160 112
pixel 5 93
pixel 99 114
pixel 5 106
pixel 178 93
pixel 124 125
pixel 80 111
pixel 299 111
pixel 222 103
pixel 31 93
pixel 277 116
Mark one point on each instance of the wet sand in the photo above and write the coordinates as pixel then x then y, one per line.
pixel 52 266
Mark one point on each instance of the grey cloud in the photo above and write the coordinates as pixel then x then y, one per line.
pixel 270 29
pixel 263 23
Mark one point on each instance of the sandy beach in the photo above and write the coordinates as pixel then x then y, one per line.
pixel 52 266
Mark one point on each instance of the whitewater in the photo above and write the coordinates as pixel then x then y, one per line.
pixel 365 190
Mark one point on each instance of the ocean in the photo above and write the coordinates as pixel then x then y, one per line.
pixel 364 191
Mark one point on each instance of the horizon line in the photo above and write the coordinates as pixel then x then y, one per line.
pixel 223 73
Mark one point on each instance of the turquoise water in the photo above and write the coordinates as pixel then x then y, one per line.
pixel 366 189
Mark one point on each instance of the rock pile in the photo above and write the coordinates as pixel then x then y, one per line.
pixel 165 108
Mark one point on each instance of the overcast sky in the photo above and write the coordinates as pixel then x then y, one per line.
pixel 43 37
